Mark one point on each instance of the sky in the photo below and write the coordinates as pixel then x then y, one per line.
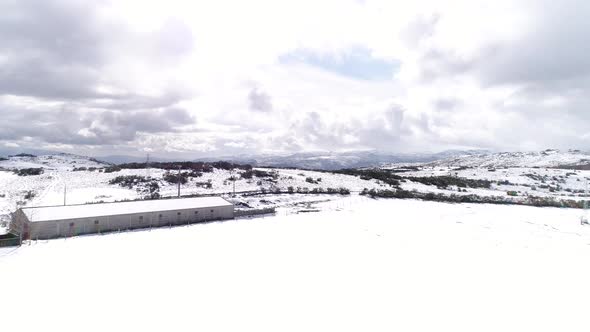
pixel 213 78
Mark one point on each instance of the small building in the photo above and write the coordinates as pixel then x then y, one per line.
pixel 70 220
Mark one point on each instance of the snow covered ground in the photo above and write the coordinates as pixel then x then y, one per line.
pixel 358 265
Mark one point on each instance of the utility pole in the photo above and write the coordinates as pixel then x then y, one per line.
pixel 179 166
pixel 65 192
pixel 584 219
pixel 147 166
pixel 233 178
pixel 586 198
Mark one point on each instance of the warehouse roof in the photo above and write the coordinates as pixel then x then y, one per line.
pixel 118 208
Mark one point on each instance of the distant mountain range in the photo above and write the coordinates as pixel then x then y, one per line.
pixel 340 160
pixel 360 159
pixel 309 160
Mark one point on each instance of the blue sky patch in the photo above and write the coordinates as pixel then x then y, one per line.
pixel 356 63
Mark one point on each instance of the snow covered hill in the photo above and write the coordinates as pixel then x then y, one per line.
pixel 58 161
pixel 547 158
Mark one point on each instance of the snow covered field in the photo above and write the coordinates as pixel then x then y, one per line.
pixel 359 265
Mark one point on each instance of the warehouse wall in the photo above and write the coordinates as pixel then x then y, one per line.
pixel 73 227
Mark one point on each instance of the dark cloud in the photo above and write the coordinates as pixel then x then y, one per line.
pixel 59 49
pixel 54 58
pixel 42 78
pixel 115 127
pixel 133 101
pixel 385 130
pixel 259 101
pixel 446 104
pixel 52 49
pixel 555 47
pixel 65 31
pixel 174 38
pixel 545 66
pixel 437 63
pixel 88 127
pixel 419 29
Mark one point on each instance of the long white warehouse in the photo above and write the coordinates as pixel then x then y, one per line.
pixel 71 220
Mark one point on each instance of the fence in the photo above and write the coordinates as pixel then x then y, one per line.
pixel 9 240
pixel 254 212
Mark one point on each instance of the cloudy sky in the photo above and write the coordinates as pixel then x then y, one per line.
pixel 198 78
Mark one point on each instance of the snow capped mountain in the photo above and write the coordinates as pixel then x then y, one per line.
pixel 546 158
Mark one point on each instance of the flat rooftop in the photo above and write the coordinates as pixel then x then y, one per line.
pixel 49 213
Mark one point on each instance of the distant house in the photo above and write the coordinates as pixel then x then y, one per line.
pixel 71 220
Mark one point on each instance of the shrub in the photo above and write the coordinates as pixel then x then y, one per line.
pixel 344 191
pixel 24 155
pixel 445 181
pixel 512 193
pixel 247 174
pixel 175 178
pixel 207 184
pixel 529 200
pixel 384 175
pixel 303 190
pixel 151 191
pixel 29 171
pixel 265 174
pixel 112 169
pixel 195 174
pixel 129 181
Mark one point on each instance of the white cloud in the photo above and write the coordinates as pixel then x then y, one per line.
pixel 471 74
